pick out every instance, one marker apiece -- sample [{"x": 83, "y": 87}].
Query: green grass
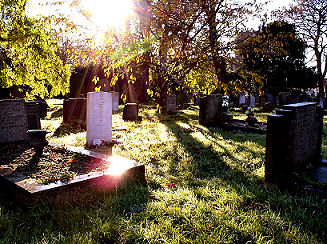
[
  {"x": 219, "y": 194},
  {"x": 262, "y": 117}
]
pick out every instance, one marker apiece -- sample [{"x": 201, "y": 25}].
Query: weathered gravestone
[
  {"x": 43, "y": 106},
  {"x": 130, "y": 112},
  {"x": 115, "y": 100},
  {"x": 99, "y": 117},
  {"x": 13, "y": 120},
  {"x": 293, "y": 140},
  {"x": 262, "y": 100},
  {"x": 33, "y": 115},
  {"x": 74, "y": 110},
  {"x": 171, "y": 104},
  {"x": 285, "y": 98},
  {"x": 211, "y": 109},
  {"x": 267, "y": 107},
  {"x": 241, "y": 99},
  {"x": 270, "y": 98},
  {"x": 256, "y": 96},
  {"x": 252, "y": 101}
]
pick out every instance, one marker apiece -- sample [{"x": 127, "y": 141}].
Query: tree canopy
[
  {"x": 28, "y": 53},
  {"x": 273, "y": 59},
  {"x": 310, "y": 19}
]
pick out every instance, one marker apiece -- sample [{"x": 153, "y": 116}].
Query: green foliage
[
  {"x": 309, "y": 17},
  {"x": 28, "y": 53},
  {"x": 202, "y": 79},
  {"x": 273, "y": 58},
  {"x": 205, "y": 185}
]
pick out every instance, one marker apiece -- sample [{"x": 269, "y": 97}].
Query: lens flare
[
  {"x": 109, "y": 13},
  {"x": 118, "y": 165}
]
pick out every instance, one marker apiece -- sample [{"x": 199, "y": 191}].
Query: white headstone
[
  {"x": 252, "y": 101},
  {"x": 98, "y": 117},
  {"x": 115, "y": 100}
]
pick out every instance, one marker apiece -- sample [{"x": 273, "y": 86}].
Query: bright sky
[
  {"x": 97, "y": 17},
  {"x": 109, "y": 13}
]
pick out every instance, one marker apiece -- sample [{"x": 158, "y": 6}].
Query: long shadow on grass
[
  {"x": 101, "y": 215},
  {"x": 208, "y": 163}
]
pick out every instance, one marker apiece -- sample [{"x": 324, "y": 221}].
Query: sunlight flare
[
  {"x": 108, "y": 13},
  {"x": 118, "y": 165}
]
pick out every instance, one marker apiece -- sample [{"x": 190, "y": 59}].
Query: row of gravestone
[
  {"x": 74, "y": 109},
  {"x": 18, "y": 116},
  {"x": 294, "y": 133},
  {"x": 283, "y": 98}
]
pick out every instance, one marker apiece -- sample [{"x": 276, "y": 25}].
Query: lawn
[{"x": 205, "y": 185}]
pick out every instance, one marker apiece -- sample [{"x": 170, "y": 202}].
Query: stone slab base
[{"x": 80, "y": 189}]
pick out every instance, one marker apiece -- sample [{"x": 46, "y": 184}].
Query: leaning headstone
[
  {"x": 74, "y": 110},
  {"x": 33, "y": 115},
  {"x": 171, "y": 104},
  {"x": 285, "y": 98},
  {"x": 130, "y": 112},
  {"x": 211, "y": 109},
  {"x": 252, "y": 101},
  {"x": 293, "y": 140},
  {"x": 99, "y": 118},
  {"x": 241, "y": 99},
  {"x": 13, "y": 120},
  {"x": 115, "y": 100}
]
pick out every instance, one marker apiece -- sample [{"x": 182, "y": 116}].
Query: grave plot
[
  {"x": 62, "y": 174},
  {"x": 212, "y": 114}
]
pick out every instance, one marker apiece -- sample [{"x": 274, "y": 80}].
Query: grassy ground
[{"x": 205, "y": 185}]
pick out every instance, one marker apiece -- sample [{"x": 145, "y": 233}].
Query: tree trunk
[{"x": 218, "y": 61}]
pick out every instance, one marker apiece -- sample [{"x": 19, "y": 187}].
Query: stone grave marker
[
  {"x": 241, "y": 99},
  {"x": 270, "y": 98},
  {"x": 256, "y": 98},
  {"x": 171, "y": 104},
  {"x": 252, "y": 101},
  {"x": 43, "y": 106},
  {"x": 74, "y": 110},
  {"x": 267, "y": 107},
  {"x": 130, "y": 112},
  {"x": 99, "y": 118},
  {"x": 262, "y": 100},
  {"x": 210, "y": 109},
  {"x": 293, "y": 140},
  {"x": 33, "y": 115},
  {"x": 13, "y": 120},
  {"x": 115, "y": 100},
  {"x": 285, "y": 98}
]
